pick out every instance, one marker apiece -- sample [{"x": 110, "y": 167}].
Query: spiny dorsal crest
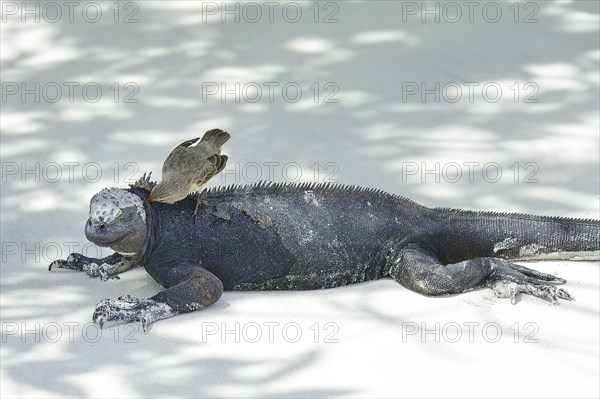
[{"x": 144, "y": 182}]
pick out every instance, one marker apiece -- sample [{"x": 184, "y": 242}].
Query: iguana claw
[
  {"x": 509, "y": 279},
  {"x": 510, "y": 289},
  {"x": 128, "y": 308},
  {"x": 106, "y": 268},
  {"x": 73, "y": 262}
]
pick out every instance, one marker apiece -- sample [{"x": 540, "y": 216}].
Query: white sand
[{"x": 372, "y": 137}]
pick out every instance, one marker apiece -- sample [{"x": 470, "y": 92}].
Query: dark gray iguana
[{"x": 310, "y": 236}]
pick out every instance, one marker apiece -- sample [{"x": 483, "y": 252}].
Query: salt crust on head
[{"x": 107, "y": 204}]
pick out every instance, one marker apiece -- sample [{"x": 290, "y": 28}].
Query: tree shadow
[{"x": 172, "y": 56}]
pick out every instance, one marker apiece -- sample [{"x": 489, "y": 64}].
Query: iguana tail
[{"x": 519, "y": 236}]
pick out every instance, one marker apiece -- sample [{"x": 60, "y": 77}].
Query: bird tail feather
[{"x": 216, "y": 136}]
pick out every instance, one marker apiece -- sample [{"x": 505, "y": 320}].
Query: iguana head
[{"x": 117, "y": 220}]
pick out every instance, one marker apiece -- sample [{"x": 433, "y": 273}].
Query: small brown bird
[{"x": 188, "y": 169}]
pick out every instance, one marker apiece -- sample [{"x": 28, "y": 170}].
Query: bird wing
[
  {"x": 219, "y": 162},
  {"x": 177, "y": 162},
  {"x": 209, "y": 168},
  {"x": 188, "y": 143},
  {"x": 178, "y": 153}
]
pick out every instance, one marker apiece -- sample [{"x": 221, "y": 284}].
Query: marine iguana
[{"x": 309, "y": 236}]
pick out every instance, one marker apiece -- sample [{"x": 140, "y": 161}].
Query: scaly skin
[{"x": 300, "y": 237}]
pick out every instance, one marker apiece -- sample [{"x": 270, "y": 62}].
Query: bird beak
[{"x": 149, "y": 199}]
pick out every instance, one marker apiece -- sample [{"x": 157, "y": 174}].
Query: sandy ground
[{"x": 379, "y": 107}]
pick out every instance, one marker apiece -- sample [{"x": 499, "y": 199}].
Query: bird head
[{"x": 166, "y": 193}]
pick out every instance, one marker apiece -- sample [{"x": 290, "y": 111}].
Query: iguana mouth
[
  {"x": 107, "y": 243},
  {"x": 98, "y": 236}
]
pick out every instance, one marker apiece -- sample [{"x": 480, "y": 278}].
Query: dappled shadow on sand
[{"x": 370, "y": 134}]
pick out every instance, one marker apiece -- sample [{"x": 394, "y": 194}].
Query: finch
[{"x": 188, "y": 169}]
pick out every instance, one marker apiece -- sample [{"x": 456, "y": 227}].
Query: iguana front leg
[
  {"x": 415, "y": 263},
  {"x": 107, "y": 268},
  {"x": 189, "y": 288}
]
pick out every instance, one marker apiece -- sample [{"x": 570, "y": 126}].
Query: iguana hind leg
[{"x": 416, "y": 264}]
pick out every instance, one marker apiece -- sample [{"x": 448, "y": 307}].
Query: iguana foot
[
  {"x": 73, "y": 262},
  {"x": 107, "y": 268},
  {"x": 508, "y": 279},
  {"x": 128, "y": 308},
  {"x": 201, "y": 200},
  {"x": 106, "y": 271}
]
